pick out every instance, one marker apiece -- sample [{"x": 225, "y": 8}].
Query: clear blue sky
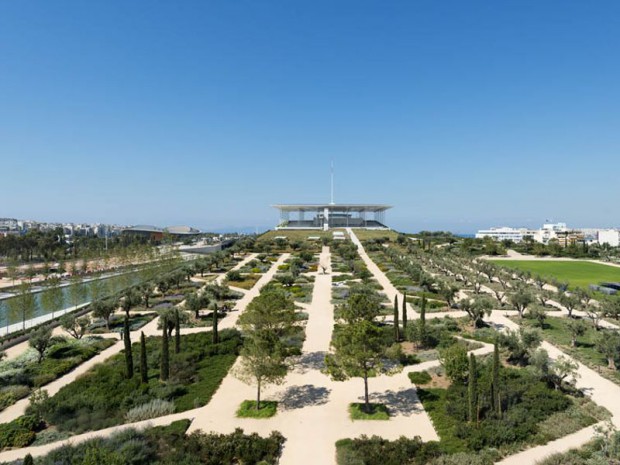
[{"x": 460, "y": 114}]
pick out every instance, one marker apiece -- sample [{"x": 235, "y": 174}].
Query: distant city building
[
  {"x": 504, "y": 234},
  {"x": 70, "y": 230},
  {"x": 181, "y": 231},
  {"x": 157, "y": 234},
  {"x": 609, "y": 236},
  {"x": 8, "y": 226},
  {"x": 549, "y": 231}
]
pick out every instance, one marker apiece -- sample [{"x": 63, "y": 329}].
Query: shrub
[
  {"x": 378, "y": 451},
  {"x": 153, "y": 409},
  {"x": 466, "y": 458},
  {"x": 49, "y": 436},
  {"x": 11, "y": 394},
  {"x": 526, "y": 402},
  {"x": 234, "y": 275},
  {"x": 419, "y": 377},
  {"x": 102, "y": 396},
  {"x": 22, "y": 373},
  {"x": 18, "y": 433}
]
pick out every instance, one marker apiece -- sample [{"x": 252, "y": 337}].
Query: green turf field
[
  {"x": 366, "y": 234},
  {"x": 575, "y": 272},
  {"x": 294, "y": 234},
  {"x": 303, "y": 234}
]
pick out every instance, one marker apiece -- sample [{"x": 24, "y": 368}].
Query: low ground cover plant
[
  {"x": 136, "y": 321},
  {"x": 419, "y": 377},
  {"x": 19, "y": 376},
  {"x": 374, "y": 412},
  {"x": 104, "y": 396},
  {"x": 170, "y": 445},
  {"x": 378, "y": 451},
  {"x": 502, "y": 408},
  {"x": 268, "y": 408}
]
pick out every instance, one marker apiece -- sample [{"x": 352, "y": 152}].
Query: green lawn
[
  {"x": 377, "y": 412},
  {"x": 295, "y": 234},
  {"x": 575, "y": 272},
  {"x": 367, "y": 234},
  {"x": 268, "y": 408}
]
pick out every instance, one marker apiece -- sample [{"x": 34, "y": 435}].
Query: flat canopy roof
[{"x": 339, "y": 206}]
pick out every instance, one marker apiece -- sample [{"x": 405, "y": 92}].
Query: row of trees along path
[
  {"x": 313, "y": 409},
  {"x": 602, "y": 391},
  {"x": 18, "y": 409}
]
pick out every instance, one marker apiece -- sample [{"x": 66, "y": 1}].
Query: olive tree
[
  {"x": 521, "y": 299},
  {"x": 476, "y": 308},
  {"x": 75, "y": 326},
  {"x": 608, "y": 344},
  {"x": 40, "y": 340}
]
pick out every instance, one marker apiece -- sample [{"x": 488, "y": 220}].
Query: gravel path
[{"x": 312, "y": 412}]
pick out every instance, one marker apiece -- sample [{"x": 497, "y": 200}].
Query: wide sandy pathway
[
  {"x": 380, "y": 276},
  {"x": 312, "y": 408}
]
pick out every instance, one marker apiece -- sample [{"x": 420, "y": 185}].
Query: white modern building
[
  {"x": 543, "y": 235},
  {"x": 505, "y": 234},
  {"x": 609, "y": 236},
  {"x": 549, "y": 231},
  {"x": 327, "y": 216}
]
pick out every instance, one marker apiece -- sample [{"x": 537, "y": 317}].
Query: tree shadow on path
[
  {"x": 303, "y": 396},
  {"x": 404, "y": 403},
  {"x": 310, "y": 361}
]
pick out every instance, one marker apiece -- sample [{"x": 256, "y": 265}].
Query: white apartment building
[
  {"x": 543, "y": 235},
  {"x": 609, "y": 236},
  {"x": 549, "y": 231},
  {"x": 504, "y": 234}
]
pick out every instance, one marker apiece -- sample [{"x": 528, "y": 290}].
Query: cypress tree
[
  {"x": 128, "y": 354},
  {"x": 144, "y": 369},
  {"x": 28, "y": 460},
  {"x": 165, "y": 353},
  {"x": 216, "y": 336},
  {"x": 396, "y": 326},
  {"x": 472, "y": 389},
  {"x": 497, "y": 406},
  {"x": 404, "y": 317},
  {"x": 177, "y": 332},
  {"x": 423, "y": 321}
]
